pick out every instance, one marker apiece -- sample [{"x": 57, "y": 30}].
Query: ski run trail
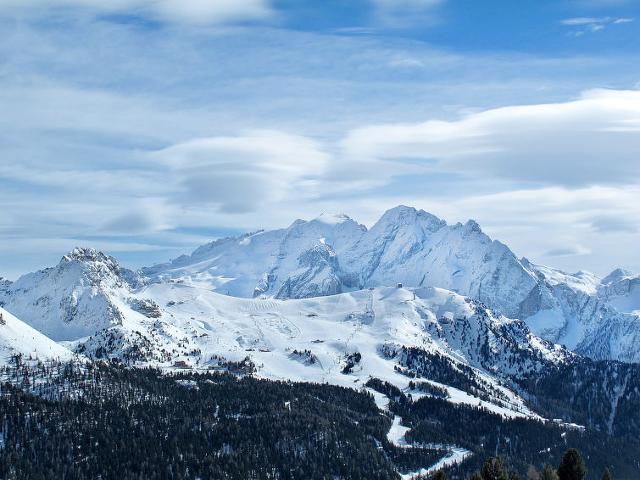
[{"x": 396, "y": 435}]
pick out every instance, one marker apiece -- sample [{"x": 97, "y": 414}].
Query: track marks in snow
[{"x": 455, "y": 454}]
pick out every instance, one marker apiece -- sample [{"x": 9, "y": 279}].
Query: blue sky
[{"x": 146, "y": 128}]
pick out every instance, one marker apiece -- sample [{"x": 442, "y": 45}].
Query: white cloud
[
  {"x": 569, "y": 251},
  {"x": 592, "y": 140},
  {"x": 241, "y": 173},
  {"x": 404, "y": 13},
  {"x": 213, "y": 11},
  {"x": 181, "y": 11},
  {"x": 593, "y": 24},
  {"x": 265, "y": 178},
  {"x": 411, "y": 5}
]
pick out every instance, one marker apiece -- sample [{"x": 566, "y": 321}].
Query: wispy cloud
[
  {"x": 611, "y": 223},
  {"x": 592, "y": 140},
  {"x": 582, "y": 25},
  {"x": 241, "y": 173},
  {"x": 568, "y": 251},
  {"x": 174, "y": 11},
  {"x": 406, "y": 13}
]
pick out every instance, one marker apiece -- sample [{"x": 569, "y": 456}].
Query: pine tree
[
  {"x": 606, "y": 475},
  {"x": 440, "y": 475},
  {"x": 572, "y": 466},
  {"x": 549, "y": 473},
  {"x": 532, "y": 473},
  {"x": 493, "y": 469}
]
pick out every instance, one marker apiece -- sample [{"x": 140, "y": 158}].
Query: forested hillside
[{"x": 90, "y": 421}]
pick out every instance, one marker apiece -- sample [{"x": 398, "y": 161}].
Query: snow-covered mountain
[
  {"x": 621, "y": 290},
  {"x": 88, "y": 292},
  {"x": 88, "y": 304},
  {"x": 334, "y": 254},
  {"x": 296, "y": 262},
  {"x": 73, "y": 299}
]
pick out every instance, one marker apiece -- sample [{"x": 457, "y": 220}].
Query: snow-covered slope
[
  {"x": 332, "y": 327},
  {"x": 343, "y": 338},
  {"x": 334, "y": 254},
  {"x": 18, "y": 338}
]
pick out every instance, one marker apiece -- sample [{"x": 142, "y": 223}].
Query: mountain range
[
  {"x": 333, "y": 254},
  {"x": 328, "y": 300}
]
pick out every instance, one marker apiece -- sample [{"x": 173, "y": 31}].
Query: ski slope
[{"x": 18, "y": 338}]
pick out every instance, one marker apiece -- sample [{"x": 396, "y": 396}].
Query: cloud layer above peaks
[{"x": 591, "y": 140}]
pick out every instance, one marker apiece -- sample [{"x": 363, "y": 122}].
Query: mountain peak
[
  {"x": 86, "y": 254},
  {"x": 401, "y": 211},
  {"x": 333, "y": 218},
  {"x": 473, "y": 226},
  {"x": 404, "y": 215},
  {"x": 98, "y": 267},
  {"x": 617, "y": 275}
]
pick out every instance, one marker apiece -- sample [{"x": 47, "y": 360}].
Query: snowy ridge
[
  {"x": 621, "y": 290},
  {"x": 596, "y": 318}
]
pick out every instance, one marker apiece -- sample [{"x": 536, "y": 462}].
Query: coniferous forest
[{"x": 88, "y": 421}]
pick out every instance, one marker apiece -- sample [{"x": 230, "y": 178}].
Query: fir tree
[
  {"x": 549, "y": 473},
  {"x": 532, "y": 473},
  {"x": 440, "y": 475},
  {"x": 493, "y": 469},
  {"x": 572, "y": 466}
]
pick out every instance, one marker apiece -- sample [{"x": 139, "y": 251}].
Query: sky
[{"x": 146, "y": 128}]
